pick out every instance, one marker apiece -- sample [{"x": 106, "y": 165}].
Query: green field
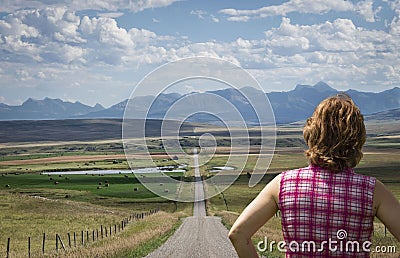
[
  {"x": 33, "y": 204},
  {"x": 121, "y": 186}
]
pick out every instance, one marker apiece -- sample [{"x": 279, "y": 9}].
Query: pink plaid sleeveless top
[{"x": 318, "y": 205}]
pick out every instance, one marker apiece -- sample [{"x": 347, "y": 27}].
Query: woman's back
[
  {"x": 325, "y": 207},
  {"x": 319, "y": 207}
]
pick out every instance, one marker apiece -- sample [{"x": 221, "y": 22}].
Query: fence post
[
  {"x": 58, "y": 238},
  {"x": 74, "y": 239},
  {"x": 57, "y": 243},
  {"x": 385, "y": 231},
  {"x": 29, "y": 247},
  {"x": 8, "y": 247},
  {"x": 93, "y": 235},
  {"x": 101, "y": 231},
  {"x": 69, "y": 240},
  {"x": 62, "y": 244},
  {"x": 87, "y": 236},
  {"x": 82, "y": 238},
  {"x": 43, "y": 242}
]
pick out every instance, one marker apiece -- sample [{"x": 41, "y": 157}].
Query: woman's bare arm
[
  {"x": 387, "y": 208},
  {"x": 254, "y": 216}
]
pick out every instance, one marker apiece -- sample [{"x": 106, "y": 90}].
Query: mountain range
[
  {"x": 46, "y": 109},
  {"x": 288, "y": 106}
]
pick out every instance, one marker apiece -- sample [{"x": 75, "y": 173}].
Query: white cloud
[
  {"x": 324, "y": 50},
  {"x": 57, "y": 35},
  {"x": 241, "y": 18},
  {"x": 394, "y": 5},
  {"x": 335, "y": 51},
  {"x": 203, "y": 15},
  {"x": 106, "y": 32},
  {"x": 363, "y": 8},
  {"x": 214, "y": 19},
  {"x": 41, "y": 75},
  {"x": 339, "y": 36},
  {"x": 394, "y": 25},
  {"x": 80, "y": 5},
  {"x": 22, "y": 74},
  {"x": 64, "y": 54},
  {"x": 49, "y": 35},
  {"x": 111, "y": 15},
  {"x": 55, "y": 45},
  {"x": 199, "y": 13}
]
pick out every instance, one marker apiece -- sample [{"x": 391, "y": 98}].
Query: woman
[{"x": 326, "y": 201}]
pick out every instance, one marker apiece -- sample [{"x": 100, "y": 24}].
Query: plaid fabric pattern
[{"x": 317, "y": 204}]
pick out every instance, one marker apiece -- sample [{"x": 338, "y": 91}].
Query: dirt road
[{"x": 200, "y": 235}]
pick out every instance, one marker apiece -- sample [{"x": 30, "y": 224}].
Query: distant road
[
  {"x": 199, "y": 209},
  {"x": 199, "y": 235}
]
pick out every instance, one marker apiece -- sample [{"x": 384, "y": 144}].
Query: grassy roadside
[
  {"x": 237, "y": 197},
  {"x": 23, "y": 216},
  {"x": 144, "y": 248},
  {"x": 139, "y": 239}
]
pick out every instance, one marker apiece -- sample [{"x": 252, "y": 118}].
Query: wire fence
[{"x": 79, "y": 238}]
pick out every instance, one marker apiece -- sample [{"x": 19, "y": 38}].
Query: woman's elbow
[
  {"x": 232, "y": 235},
  {"x": 235, "y": 235}
]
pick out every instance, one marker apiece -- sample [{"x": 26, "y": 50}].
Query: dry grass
[
  {"x": 132, "y": 241},
  {"x": 23, "y": 216},
  {"x": 272, "y": 230}
]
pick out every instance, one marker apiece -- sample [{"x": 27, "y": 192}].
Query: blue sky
[{"x": 97, "y": 51}]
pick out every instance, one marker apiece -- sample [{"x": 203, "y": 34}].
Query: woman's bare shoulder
[
  {"x": 275, "y": 186},
  {"x": 380, "y": 192},
  {"x": 387, "y": 208}
]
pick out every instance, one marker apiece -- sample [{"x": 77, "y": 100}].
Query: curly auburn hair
[{"x": 335, "y": 134}]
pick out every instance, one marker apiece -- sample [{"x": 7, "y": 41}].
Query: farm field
[
  {"x": 32, "y": 203},
  {"x": 33, "y": 216}
]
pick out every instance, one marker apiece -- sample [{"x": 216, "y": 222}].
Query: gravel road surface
[{"x": 200, "y": 235}]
